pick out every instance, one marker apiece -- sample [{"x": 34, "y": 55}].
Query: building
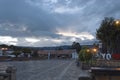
[
  {"x": 6, "y": 52},
  {"x": 58, "y": 54},
  {"x": 0, "y": 52}
]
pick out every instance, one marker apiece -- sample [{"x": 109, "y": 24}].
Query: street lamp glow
[
  {"x": 94, "y": 50},
  {"x": 88, "y": 50},
  {"x": 117, "y": 22}
]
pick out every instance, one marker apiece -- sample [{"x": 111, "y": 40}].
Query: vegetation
[
  {"x": 4, "y": 46},
  {"x": 85, "y": 54},
  {"x": 16, "y": 53},
  {"x": 76, "y": 46},
  {"x": 26, "y": 51},
  {"x": 109, "y": 34},
  {"x": 60, "y": 48}
]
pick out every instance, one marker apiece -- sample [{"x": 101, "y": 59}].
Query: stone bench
[
  {"x": 7, "y": 72},
  {"x": 106, "y": 73},
  {"x": 4, "y": 76},
  {"x": 85, "y": 75}
]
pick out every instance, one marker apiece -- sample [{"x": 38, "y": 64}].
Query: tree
[
  {"x": 15, "y": 48},
  {"x": 12, "y": 47},
  {"x": 60, "y": 48},
  {"x": 76, "y": 46},
  {"x": 85, "y": 54},
  {"x": 4, "y": 46},
  {"x": 95, "y": 45},
  {"x": 109, "y": 33},
  {"x": 16, "y": 53},
  {"x": 26, "y": 51}
]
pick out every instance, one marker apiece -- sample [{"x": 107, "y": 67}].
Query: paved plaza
[{"x": 46, "y": 70}]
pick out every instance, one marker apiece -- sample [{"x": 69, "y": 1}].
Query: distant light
[
  {"x": 88, "y": 50},
  {"x": 4, "y": 48}
]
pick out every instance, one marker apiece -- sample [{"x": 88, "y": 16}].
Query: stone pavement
[{"x": 47, "y": 70}]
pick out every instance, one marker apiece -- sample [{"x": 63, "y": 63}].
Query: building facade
[{"x": 58, "y": 54}]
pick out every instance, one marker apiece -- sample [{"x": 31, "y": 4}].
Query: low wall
[{"x": 105, "y": 73}]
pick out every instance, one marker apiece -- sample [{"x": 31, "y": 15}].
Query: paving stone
[{"x": 46, "y": 70}]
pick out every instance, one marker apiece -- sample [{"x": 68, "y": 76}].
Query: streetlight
[
  {"x": 94, "y": 51},
  {"x": 88, "y": 50},
  {"x": 117, "y": 23}
]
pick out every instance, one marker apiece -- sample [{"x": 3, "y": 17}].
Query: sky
[{"x": 41, "y": 23}]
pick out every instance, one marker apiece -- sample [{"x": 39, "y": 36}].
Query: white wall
[
  {"x": 0, "y": 52},
  {"x": 74, "y": 55}
]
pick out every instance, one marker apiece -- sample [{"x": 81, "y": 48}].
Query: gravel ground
[{"x": 46, "y": 70}]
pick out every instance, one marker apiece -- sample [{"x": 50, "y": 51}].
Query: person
[{"x": 77, "y": 63}]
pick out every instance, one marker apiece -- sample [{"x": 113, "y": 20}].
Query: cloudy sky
[{"x": 53, "y": 22}]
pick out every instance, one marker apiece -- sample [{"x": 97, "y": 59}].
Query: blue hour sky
[{"x": 53, "y": 22}]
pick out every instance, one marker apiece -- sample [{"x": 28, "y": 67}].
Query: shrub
[
  {"x": 16, "y": 53},
  {"x": 84, "y": 55}
]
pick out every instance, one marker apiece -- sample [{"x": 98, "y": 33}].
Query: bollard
[{"x": 12, "y": 71}]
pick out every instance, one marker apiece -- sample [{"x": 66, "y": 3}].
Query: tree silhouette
[
  {"x": 76, "y": 46},
  {"x": 109, "y": 33},
  {"x": 16, "y": 53},
  {"x": 26, "y": 51}
]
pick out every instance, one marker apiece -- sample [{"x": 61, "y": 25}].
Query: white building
[{"x": 0, "y": 52}]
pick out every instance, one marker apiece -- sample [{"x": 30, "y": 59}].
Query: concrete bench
[
  {"x": 4, "y": 76},
  {"x": 7, "y": 72},
  {"x": 85, "y": 75},
  {"x": 106, "y": 73}
]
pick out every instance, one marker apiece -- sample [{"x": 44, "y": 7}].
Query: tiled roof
[{"x": 56, "y": 51}]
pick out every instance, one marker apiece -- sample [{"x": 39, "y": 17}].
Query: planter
[{"x": 85, "y": 66}]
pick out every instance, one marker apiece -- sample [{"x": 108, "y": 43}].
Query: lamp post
[{"x": 94, "y": 50}]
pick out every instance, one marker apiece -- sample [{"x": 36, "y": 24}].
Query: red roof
[{"x": 56, "y": 51}]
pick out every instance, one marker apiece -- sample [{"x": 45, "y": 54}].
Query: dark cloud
[
  {"x": 18, "y": 11},
  {"x": 45, "y": 18}
]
